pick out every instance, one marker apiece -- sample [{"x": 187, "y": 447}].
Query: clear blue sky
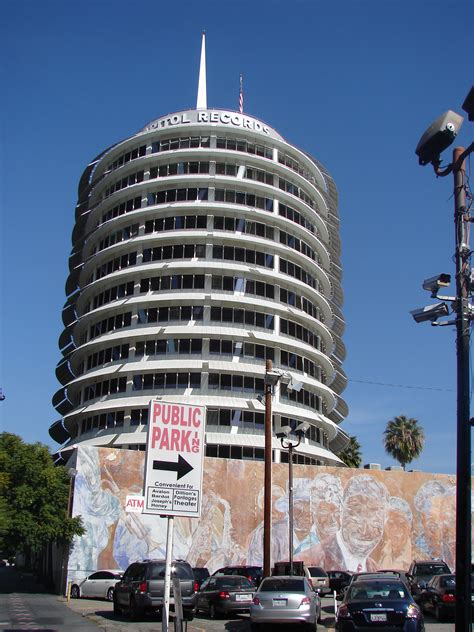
[{"x": 355, "y": 83}]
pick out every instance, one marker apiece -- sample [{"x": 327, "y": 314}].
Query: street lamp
[
  {"x": 435, "y": 140},
  {"x": 272, "y": 377},
  {"x": 284, "y": 436}
]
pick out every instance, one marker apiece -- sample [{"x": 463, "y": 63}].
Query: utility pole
[{"x": 267, "y": 503}]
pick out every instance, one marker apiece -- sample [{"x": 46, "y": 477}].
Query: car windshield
[
  {"x": 234, "y": 582},
  {"x": 316, "y": 571},
  {"x": 282, "y": 585},
  {"x": 157, "y": 571},
  {"x": 430, "y": 569},
  {"x": 378, "y": 590}
]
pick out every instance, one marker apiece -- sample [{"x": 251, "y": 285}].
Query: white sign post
[{"x": 173, "y": 471}]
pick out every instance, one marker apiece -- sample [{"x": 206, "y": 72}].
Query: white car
[{"x": 98, "y": 585}]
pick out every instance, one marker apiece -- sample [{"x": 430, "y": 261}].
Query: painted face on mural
[
  {"x": 327, "y": 518},
  {"x": 301, "y": 517},
  {"x": 363, "y": 520},
  {"x": 439, "y": 525},
  {"x": 399, "y": 529}
]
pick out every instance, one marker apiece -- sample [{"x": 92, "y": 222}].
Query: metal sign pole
[{"x": 166, "y": 599}]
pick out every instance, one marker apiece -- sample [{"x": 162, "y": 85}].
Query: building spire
[{"x": 202, "y": 88}]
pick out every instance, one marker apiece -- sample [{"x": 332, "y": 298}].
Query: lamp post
[
  {"x": 289, "y": 445},
  {"x": 437, "y": 138}
]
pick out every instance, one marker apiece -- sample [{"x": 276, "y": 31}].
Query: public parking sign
[{"x": 174, "y": 459}]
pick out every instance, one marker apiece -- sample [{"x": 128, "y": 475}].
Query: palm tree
[
  {"x": 351, "y": 453},
  {"x": 404, "y": 439}
]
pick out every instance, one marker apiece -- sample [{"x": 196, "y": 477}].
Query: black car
[
  {"x": 439, "y": 596},
  {"x": 225, "y": 594},
  {"x": 200, "y": 574},
  {"x": 421, "y": 571},
  {"x": 142, "y": 587},
  {"x": 254, "y": 573},
  {"x": 382, "y": 603},
  {"x": 338, "y": 580}
]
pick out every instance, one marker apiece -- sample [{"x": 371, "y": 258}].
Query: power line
[{"x": 419, "y": 388}]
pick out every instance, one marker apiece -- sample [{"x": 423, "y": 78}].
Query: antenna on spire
[
  {"x": 241, "y": 95},
  {"x": 201, "y": 103}
]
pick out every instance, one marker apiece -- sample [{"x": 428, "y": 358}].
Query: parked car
[
  {"x": 366, "y": 575},
  {"x": 381, "y": 603},
  {"x": 439, "y": 596},
  {"x": 319, "y": 579},
  {"x": 200, "y": 574},
  {"x": 285, "y": 600},
  {"x": 421, "y": 571},
  {"x": 225, "y": 594},
  {"x": 99, "y": 585},
  {"x": 142, "y": 587},
  {"x": 254, "y": 573},
  {"x": 338, "y": 580}
]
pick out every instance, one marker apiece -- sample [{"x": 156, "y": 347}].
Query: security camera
[
  {"x": 434, "y": 283},
  {"x": 283, "y": 432},
  {"x": 430, "y": 312},
  {"x": 438, "y": 137}
]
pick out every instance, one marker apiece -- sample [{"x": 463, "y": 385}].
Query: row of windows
[
  {"x": 295, "y": 330},
  {"x": 120, "y": 209},
  {"x": 110, "y": 354},
  {"x": 113, "y": 293},
  {"x": 242, "y": 225},
  {"x": 166, "y": 314},
  {"x": 290, "y": 162},
  {"x": 299, "y": 459},
  {"x": 171, "y": 380},
  {"x": 117, "y": 263},
  {"x": 240, "y": 316},
  {"x": 297, "y": 272},
  {"x": 106, "y": 387},
  {"x": 244, "y": 349},
  {"x": 110, "y": 324},
  {"x": 249, "y": 287},
  {"x": 174, "y": 222},
  {"x": 242, "y": 197},
  {"x": 250, "y": 173},
  {"x": 313, "y": 433},
  {"x": 177, "y": 195},
  {"x": 233, "y": 253},
  {"x": 300, "y": 302},
  {"x": 293, "y": 189},
  {"x": 179, "y": 169},
  {"x": 120, "y": 235},
  {"x": 123, "y": 183},
  {"x": 172, "y": 282},
  {"x": 177, "y": 251},
  {"x": 298, "y": 244},
  {"x": 300, "y": 363},
  {"x": 296, "y": 217},
  {"x": 236, "y": 383},
  {"x": 170, "y": 345},
  {"x": 112, "y": 419},
  {"x": 303, "y": 397},
  {"x": 133, "y": 154},
  {"x": 243, "y": 145},
  {"x": 169, "y": 144}
]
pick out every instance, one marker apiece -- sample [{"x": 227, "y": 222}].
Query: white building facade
[{"x": 204, "y": 245}]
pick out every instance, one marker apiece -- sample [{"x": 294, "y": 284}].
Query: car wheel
[
  {"x": 110, "y": 594},
  {"x": 439, "y": 614},
  {"x": 75, "y": 592},
  {"x": 134, "y": 613},
  {"x": 117, "y": 608},
  {"x": 212, "y": 611}
]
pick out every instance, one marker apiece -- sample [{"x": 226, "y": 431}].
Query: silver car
[
  {"x": 285, "y": 599},
  {"x": 98, "y": 585}
]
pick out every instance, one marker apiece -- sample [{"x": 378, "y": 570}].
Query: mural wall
[{"x": 343, "y": 518}]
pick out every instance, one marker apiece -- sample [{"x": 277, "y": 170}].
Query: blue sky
[{"x": 354, "y": 83}]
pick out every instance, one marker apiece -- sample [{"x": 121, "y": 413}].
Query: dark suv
[
  {"x": 421, "y": 571},
  {"x": 254, "y": 573},
  {"x": 142, "y": 588}
]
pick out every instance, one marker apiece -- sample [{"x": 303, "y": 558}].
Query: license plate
[
  {"x": 279, "y": 602},
  {"x": 243, "y": 598},
  {"x": 378, "y": 617}
]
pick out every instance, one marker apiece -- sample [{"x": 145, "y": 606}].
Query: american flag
[{"x": 241, "y": 96}]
